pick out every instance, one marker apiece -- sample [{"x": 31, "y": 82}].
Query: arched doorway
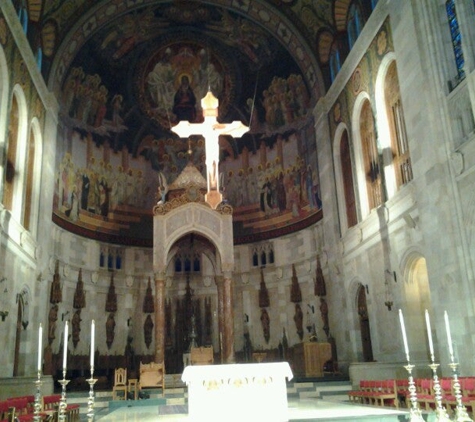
[
  {"x": 179, "y": 218},
  {"x": 364, "y": 324},
  {"x": 191, "y": 304},
  {"x": 417, "y": 300}
]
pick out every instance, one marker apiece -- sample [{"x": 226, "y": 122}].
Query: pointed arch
[
  {"x": 392, "y": 136},
  {"x": 16, "y": 151},
  {"x": 4, "y": 89},
  {"x": 32, "y": 177},
  {"x": 343, "y": 161},
  {"x": 366, "y": 155}
]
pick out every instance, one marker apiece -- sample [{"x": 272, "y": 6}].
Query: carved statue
[
  {"x": 148, "y": 305},
  {"x": 111, "y": 302},
  {"x": 110, "y": 330},
  {"x": 79, "y": 296},
  {"x": 298, "y": 318},
  {"x": 76, "y": 325},
  {"x": 263, "y": 293},
  {"x": 324, "y": 313},
  {"x": 52, "y": 318},
  {"x": 148, "y": 330},
  {"x": 320, "y": 287},
  {"x": 265, "y": 321},
  {"x": 56, "y": 294},
  {"x": 295, "y": 292}
]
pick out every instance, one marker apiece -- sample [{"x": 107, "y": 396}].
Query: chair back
[
  {"x": 201, "y": 355},
  {"x": 120, "y": 376}
]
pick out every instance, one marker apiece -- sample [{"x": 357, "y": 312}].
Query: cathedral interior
[{"x": 344, "y": 203}]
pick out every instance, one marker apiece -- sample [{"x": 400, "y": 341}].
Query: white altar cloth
[{"x": 244, "y": 392}]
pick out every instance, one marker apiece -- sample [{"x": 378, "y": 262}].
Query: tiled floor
[{"x": 299, "y": 410}]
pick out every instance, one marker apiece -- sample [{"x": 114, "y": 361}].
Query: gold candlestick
[
  {"x": 415, "y": 412},
  {"x": 38, "y": 383},
  {"x": 441, "y": 412},
  {"x": 90, "y": 400},
  {"x": 461, "y": 414},
  {"x": 63, "y": 404}
]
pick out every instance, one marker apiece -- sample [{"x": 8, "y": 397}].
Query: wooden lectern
[{"x": 309, "y": 358}]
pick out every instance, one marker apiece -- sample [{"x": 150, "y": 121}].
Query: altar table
[{"x": 238, "y": 392}]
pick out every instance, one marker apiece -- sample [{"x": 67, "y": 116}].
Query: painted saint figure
[{"x": 184, "y": 101}]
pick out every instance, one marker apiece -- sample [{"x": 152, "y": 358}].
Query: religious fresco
[{"x": 116, "y": 144}]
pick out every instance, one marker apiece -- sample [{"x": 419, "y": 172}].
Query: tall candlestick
[
  {"x": 429, "y": 334},
  {"x": 65, "y": 346},
  {"x": 93, "y": 326},
  {"x": 404, "y": 337},
  {"x": 449, "y": 336},
  {"x": 40, "y": 340}
]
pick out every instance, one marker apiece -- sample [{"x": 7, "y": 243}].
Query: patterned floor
[{"x": 307, "y": 401}]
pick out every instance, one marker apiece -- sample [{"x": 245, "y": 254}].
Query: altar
[{"x": 251, "y": 391}]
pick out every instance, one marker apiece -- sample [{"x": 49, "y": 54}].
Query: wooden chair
[
  {"x": 120, "y": 384},
  {"x": 152, "y": 375},
  {"x": 201, "y": 355}
]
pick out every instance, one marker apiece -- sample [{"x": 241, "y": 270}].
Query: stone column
[
  {"x": 228, "y": 328},
  {"x": 220, "y": 287},
  {"x": 159, "y": 318}
]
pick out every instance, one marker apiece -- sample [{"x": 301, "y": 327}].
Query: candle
[
  {"x": 65, "y": 346},
  {"x": 40, "y": 340},
  {"x": 404, "y": 337},
  {"x": 429, "y": 334},
  {"x": 449, "y": 336},
  {"x": 93, "y": 326}
]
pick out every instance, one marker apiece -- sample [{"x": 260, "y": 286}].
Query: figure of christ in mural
[{"x": 184, "y": 102}]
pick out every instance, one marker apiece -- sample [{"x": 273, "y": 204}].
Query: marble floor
[{"x": 299, "y": 410}]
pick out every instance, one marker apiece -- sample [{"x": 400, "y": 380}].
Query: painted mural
[{"x": 122, "y": 97}]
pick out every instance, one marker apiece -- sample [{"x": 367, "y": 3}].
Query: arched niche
[{"x": 193, "y": 218}]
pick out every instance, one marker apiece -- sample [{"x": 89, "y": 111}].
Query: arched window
[
  {"x": 354, "y": 24},
  {"x": 335, "y": 61},
  {"x": 347, "y": 176},
  {"x": 23, "y": 17},
  {"x": 178, "y": 264},
  {"x": 370, "y": 157},
  {"x": 11, "y": 171},
  {"x": 187, "y": 264},
  {"x": 456, "y": 38},
  {"x": 30, "y": 163},
  {"x": 197, "y": 264},
  {"x": 397, "y": 127},
  {"x": 39, "y": 58}
]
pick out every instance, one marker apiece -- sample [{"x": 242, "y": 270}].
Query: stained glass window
[
  {"x": 456, "y": 37},
  {"x": 354, "y": 24}
]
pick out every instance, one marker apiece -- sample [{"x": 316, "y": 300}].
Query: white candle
[
  {"x": 449, "y": 336},
  {"x": 404, "y": 337},
  {"x": 65, "y": 345},
  {"x": 429, "y": 334},
  {"x": 40, "y": 340},
  {"x": 93, "y": 326}
]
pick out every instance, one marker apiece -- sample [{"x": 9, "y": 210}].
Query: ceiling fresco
[{"x": 126, "y": 71}]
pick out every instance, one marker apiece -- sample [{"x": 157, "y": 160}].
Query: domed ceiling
[{"x": 125, "y": 72}]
